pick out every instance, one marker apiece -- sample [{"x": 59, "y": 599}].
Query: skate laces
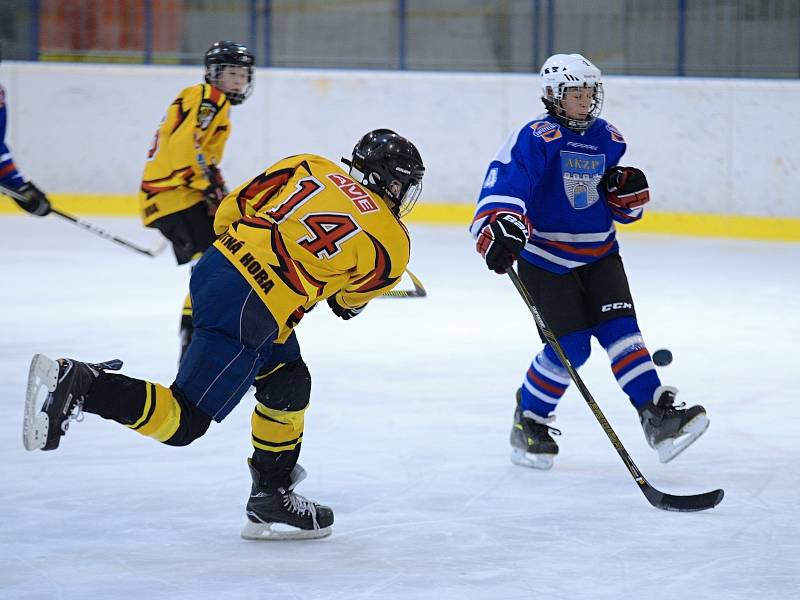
[
  {"x": 540, "y": 421},
  {"x": 668, "y": 404},
  {"x": 75, "y": 414},
  {"x": 300, "y": 505}
]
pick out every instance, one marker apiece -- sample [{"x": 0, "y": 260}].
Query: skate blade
[
  {"x": 275, "y": 532},
  {"x": 672, "y": 447},
  {"x": 532, "y": 461},
  {"x": 43, "y": 374}
]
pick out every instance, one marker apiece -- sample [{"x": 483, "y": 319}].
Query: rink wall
[{"x": 718, "y": 163}]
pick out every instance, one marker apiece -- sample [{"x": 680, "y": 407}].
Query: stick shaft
[{"x": 84, "y": 224}]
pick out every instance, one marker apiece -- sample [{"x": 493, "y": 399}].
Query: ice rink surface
[{"x": 407, "y": 438}]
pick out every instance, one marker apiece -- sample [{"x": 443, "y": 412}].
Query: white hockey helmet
[{"x": 561, "y": 72}]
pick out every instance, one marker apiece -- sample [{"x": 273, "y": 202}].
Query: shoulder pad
[
  {"x": 546, "y": 130},
  {"x": 616, "y": 136}
]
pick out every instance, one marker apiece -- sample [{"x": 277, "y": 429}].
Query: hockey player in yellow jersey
[
  {"x": 301, "y": 232},
  {"x": 182, "y": 185}
]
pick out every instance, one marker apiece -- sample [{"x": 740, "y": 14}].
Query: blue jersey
[
  {"x": 9, "y": 176},
  {"x": 551, "y": 176}
]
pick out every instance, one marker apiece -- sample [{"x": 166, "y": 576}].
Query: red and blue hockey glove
[
  {"x": 627, "y": 187},
  {"x": 343, "y": 312},
  {"x": 501, "y": 241}
]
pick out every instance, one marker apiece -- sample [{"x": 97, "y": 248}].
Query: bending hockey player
[
  {"x": 36, "y": 202},
  {"x": 550, "y": 198},
  {"x": 182, "y": 185},
  {"x": 299, "y": 233}
]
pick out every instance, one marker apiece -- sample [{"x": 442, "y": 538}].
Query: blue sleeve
[
  {"x": 510, "y": 178},
  {"x": 9, "y": 175},
  {"x": 3, "y": 119},
  {"x": 621, "y": 215}
]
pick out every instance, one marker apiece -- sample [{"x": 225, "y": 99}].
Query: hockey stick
[
  {"x": 417, "y": 292},
  {"x": 90, "y": 227},
  {"x": 655, "y": 497}
]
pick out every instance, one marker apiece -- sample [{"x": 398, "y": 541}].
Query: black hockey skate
[
  {"x": 67, "y": 382},
  {"x": 283, "y": 515},
  {"x": 671, "y": 428},
  {"x": 531, "y": 443}
]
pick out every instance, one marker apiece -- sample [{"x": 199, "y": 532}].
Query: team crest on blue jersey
[
  {"x": 615, "y": 134},
  {"x": 582, "y": 174},
  {"x": 546, "y": 130}
]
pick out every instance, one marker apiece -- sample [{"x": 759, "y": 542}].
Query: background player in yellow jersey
[
  {"x": 301, "y": 232},
  {"x": 182, "y": 185}
]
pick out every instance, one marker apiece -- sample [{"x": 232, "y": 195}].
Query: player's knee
[
  {"x": 612, "y": 331},
  {"x": 286, "y": 389},
  {"x": 577, "y": 347},
  {"x": 193, "y": 423}
]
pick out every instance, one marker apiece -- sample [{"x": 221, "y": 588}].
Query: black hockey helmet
[
  {"x": 390, "y": 165},
  {"x": 229, "y": 54}
]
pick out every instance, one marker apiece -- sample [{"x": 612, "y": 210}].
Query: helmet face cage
[
  {"x": 229, "y": 54},
  {"x": 553, "y": 99},
  {"x": 563, "y": 72},
  {"x": 389, "y": 165}
]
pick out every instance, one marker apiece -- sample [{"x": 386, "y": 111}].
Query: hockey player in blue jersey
[
  {"x": 550, "y": 198},
  {"x": 37, "y": 203}
]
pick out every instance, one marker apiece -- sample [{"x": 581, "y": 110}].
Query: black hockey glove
[
  {"x": 501, "y": 241},
  {"x": 627, "y": 187},
  {"x": 342, "y": 312},
  {"x": 216, "y": 191},
  {"x": 36, "y": 202}
]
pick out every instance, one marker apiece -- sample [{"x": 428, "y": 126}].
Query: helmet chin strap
[{"x": 553, "y": 109}]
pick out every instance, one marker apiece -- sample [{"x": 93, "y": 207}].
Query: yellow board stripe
[
  {"x": 105, "y": 205},
  {"x": 785, "y": 229}
]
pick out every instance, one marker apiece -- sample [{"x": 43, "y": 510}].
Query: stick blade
[
  {"x": 409, "y": 286},
  {"x": 694, "y": 503}
]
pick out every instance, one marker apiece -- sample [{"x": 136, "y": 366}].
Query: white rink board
[
  {"x": 406, "y": 439},
  {"x": 707, "y": 145}
]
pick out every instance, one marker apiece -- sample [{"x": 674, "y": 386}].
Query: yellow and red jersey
[
  {"x": 303, "y": 231},
  {"x": 191, "y": 138}
]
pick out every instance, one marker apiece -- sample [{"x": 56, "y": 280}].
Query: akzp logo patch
[{"x": 582, "y": 174}]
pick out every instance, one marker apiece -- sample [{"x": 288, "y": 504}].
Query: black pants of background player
[
  {"x": 191, "y": 232},
  {"x": 593, "y": 300}
]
